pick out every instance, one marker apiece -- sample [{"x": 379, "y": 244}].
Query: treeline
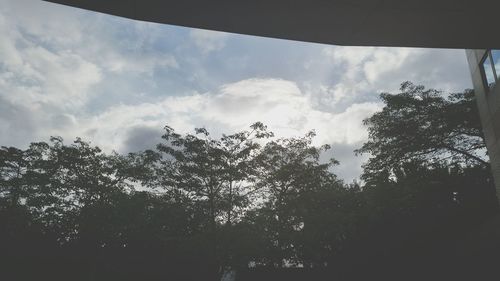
[{"x": 196, "y": 205}]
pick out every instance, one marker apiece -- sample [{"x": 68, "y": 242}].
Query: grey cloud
[
  {"x": 366, "y": 72},
  {"x": 141, "y": 138},
  {"x": 208, "y": 41},
  {"x": 142, "y": 64},
  {"x": 17, "y": 124},
  {"x": 441, "y": 69},
  {"x": 350, "y": 164},
  {"x": 62, "y": 121}
]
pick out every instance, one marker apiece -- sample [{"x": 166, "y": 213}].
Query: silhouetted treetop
[
  {"x": 198, "y": 203},
  {"x": 425, "y": 125}
]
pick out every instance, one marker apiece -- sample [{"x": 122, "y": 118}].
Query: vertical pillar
[{"x": 488, "y": 102}]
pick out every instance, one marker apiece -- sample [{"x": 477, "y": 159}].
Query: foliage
[
  {"x": 420, "y": 124},
  {"x": 197, "y": 203},
  {"x": 290, "y": 174}
]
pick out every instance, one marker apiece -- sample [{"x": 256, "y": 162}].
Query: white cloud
[
  {"x": 278, "y": 103},
  {"x": 52, "y": 58},
  {"x": 35, "y": 74},
  {"x": 61, "y": 69},
  {"x": 51, "y": 24},
  {"x": 371, "y": 70},
  {"x": 141, "y": 64},
  {"x": 386, "y": 60}
]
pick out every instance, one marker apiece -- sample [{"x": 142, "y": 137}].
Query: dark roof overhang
[{"x": 466, "y": 24}]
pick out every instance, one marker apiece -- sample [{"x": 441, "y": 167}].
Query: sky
[{"x": 117, "y": 82}]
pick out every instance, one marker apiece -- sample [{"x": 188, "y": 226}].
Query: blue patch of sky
[{"x": 242, "y": 57}]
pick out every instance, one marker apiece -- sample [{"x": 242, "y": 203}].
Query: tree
[
  {"x": 64, "y": 195},
  {"x": 427, "y": 182},
  {"x": 83, "y": 183},
  {"x": 215, "y": 174},
  {"x": 423, "y": 124},
  {"x": 291, "y": 173}
]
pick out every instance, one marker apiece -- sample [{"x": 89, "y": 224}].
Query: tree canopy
[
  {"x": 197, "y": 204},
  {"x": 419, "y": 124}
]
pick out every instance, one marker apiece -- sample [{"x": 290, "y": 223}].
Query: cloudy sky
[{"x": 116, "y": 82}]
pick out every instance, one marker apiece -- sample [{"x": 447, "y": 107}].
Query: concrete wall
[{"x": 488, "y": 101}]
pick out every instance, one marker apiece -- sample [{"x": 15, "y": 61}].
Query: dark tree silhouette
[
  {"x": 214, "y": 174},
  {"x": 424, "y": 124},
  {"x": 289, "y": 172},
  {"x": 270, "y": 208}
]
